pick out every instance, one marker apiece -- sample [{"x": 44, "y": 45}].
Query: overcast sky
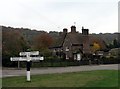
[{"x": 54, "y": 15}]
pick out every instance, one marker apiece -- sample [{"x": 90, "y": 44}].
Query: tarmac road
[{"x": 8, "y": 72}]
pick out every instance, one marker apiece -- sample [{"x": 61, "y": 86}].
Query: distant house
[{"x": 73, "y": 45}]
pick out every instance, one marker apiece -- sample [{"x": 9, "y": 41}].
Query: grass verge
[{"x": 99, "y": 78}]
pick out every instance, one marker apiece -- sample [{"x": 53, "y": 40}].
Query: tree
[
  {"x": 95, "y": 47},
  {"x": 42, "y": 41},
  {"x": 116, "y": 43},
  {"x": 12, "y": 43}
]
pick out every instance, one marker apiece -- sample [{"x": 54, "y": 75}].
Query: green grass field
[{"x": 99, "y": 78}]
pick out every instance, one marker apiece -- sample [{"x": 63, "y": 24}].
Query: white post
[
  {"x": 28, "y": 67},
  {"x": 28, "y": 76}
]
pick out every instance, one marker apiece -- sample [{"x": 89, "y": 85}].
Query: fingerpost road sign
[{"x": 27, "y": 58}]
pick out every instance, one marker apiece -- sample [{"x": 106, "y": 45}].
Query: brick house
[{"x": 73, "y": 45}]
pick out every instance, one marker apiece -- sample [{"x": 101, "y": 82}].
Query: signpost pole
[
  {"x": 28, "y": 71},
  {"x": 18, "y": 64},
  {"x": 28, "y": 68}
]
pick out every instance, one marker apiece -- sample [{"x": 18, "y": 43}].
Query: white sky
[{"x": 54, "y": 15}]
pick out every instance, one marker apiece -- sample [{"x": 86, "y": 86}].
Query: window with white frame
[{"x": 66, "y": 49}]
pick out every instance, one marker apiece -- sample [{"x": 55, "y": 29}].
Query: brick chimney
[
  {"x": 65, "y": 30},
  {"x": 73, "y": 29},
  {"x": 85, "y": 31}
]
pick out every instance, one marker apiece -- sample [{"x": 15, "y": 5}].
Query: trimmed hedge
[{"x": 59, "y": 62}]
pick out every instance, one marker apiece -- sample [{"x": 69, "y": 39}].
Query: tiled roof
[
  {"x": 75, "y": 38},
  {"x": 78, "y": 39},
  {"x": 59, "y": 41}
]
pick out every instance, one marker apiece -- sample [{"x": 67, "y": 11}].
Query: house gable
[{"x": 67, "y": 46}]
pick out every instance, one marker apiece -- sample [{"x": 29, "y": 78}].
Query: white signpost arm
[
  {"x": 29, "y": 53},
  {"x": 36, "y": 58},
  {"x": 25, "y": 58},
  {"x": 18, "y": 59}
]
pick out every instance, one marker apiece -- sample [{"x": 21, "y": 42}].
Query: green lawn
[
  {"x": 99, "y": 78},
  {"x": 0, "y": 82}
]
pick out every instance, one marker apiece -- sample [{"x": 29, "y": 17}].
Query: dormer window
[{"x": 66, "y": 49}]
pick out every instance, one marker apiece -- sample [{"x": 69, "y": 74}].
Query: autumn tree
[
  {"x": 42, "y": 43},
  {"x": 95, "y": 47},
  {"x": 12, "y": 43}
]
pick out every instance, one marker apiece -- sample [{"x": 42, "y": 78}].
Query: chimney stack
[
  {"x": 65, "y": 30},
  {"x": 73, "y": 29},
  {"x": 85, "y": 31}
]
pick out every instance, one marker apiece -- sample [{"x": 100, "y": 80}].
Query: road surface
[{"x": 8, "y": 72}]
